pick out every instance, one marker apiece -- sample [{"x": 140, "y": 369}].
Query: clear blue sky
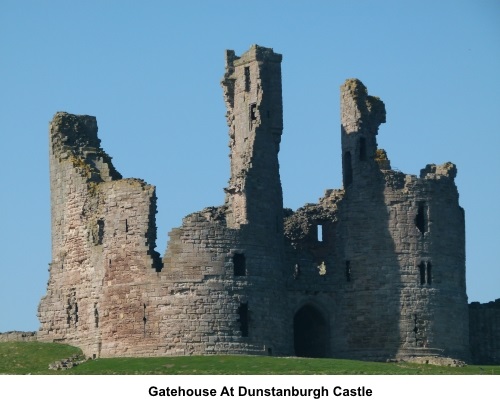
[{"x": 150, "y": 72}]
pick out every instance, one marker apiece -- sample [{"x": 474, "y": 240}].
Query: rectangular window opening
[
  {"x": 100, "y": 231},
  {"x": 243, "y": 313},
  {"x": 320, "y": 233},
  {"x": 362, "y": 149},
  {"x": 347, "y": 169},
  {"x": 76, "y": 314},
  {"x": 96, "y": 315},
  {"x": 421, "y": 218},
  {"x": 348, "y": 271},
  {"x": 239, "y": 264},
  {"x": 421, "y": 268},
  {"x": 253, "y": 112},
  {"x": 429, "y": 274},
  {"x": 247, "y": 78},
  {"x": 144, "y": 319}
]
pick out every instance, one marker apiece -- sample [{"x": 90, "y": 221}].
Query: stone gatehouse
[{"x": 373, "y": 270}]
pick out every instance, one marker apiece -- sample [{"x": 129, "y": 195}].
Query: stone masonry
[
  {"x": 485, "y": 332},
  {"x": 374, "y": 270}
]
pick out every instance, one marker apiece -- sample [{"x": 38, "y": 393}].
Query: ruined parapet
[
  {"x": 74, "y": 137},
  {"x": 361, "y": 116},
  {"x": 382, "y": 160},
  {"x": 311, "y": 236},
  {"x": 360, "y": 112},
  {"x": 436, "y": 172}
]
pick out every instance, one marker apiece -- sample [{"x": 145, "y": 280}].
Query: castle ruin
[{"x": 374, "y": 270}]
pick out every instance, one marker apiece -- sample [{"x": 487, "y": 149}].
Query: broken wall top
[{"x": 75, "y": 137}]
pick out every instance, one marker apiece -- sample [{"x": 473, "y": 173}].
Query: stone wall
[
  {"x": 485, "y": 332},
  {"x": 16, "y": 336}
]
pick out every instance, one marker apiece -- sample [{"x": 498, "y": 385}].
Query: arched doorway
[{"x": 310, "y": 333}]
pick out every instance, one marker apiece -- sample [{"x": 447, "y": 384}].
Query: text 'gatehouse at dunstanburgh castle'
[{"x": 374, "y": 270}]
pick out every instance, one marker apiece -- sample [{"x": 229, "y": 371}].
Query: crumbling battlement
[
  {"x": 373, "y": 270},
  {"x": 75, "y": 138}
]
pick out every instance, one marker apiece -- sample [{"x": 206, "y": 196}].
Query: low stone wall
[
  {"x": 16, "y": 336},
  {"x": 484, "y": 329}
]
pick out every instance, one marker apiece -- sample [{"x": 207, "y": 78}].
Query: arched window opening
[{"x": 425, "y": 270}]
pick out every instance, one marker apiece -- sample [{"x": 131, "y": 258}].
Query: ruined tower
[
  {"x": 252, "y": 93},
  {"x": 237, "y": 250},
  {"x": 404, "y": 240},
  {"x": 103, "y": 241}
]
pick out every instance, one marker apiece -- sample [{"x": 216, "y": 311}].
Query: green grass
[{"x": 34, "y": 358}]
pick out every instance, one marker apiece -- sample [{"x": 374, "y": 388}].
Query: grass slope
[{"x": 34, "y": 358}]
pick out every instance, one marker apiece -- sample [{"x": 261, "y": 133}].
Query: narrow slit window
[
  {"x": 96, "y": 315},
  {"x": 239, "y": 264},
  {"x": 247, "y": 78},
  {"x": 100, "y": 231},
  {"x": 253, "y": 112},
  {"x": 320, "y": 232},
  {"x": 421, "y": 268},
  {"x": 348, "y": 271},
  {"x": 76, "y": 314},
  {"x": 429, "y": 273},
  {"x": 347, "y": 169},
  {"x": 362, "y": 149},
  {"x": 243, "y": 313}
]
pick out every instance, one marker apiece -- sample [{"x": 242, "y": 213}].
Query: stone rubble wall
[{"x": 16, "y": 336}]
